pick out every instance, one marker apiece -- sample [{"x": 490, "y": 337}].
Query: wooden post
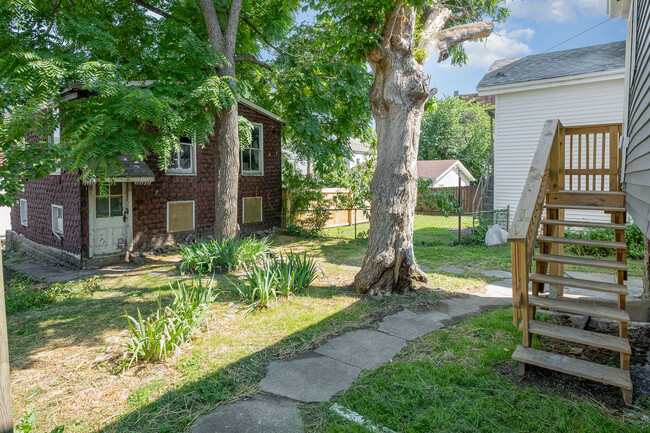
[
  {"x": 6, "y": 413},
  {"x": 460, "y": 211}
]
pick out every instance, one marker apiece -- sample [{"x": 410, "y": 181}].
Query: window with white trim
[
  {"x": 180, "y": 216},
  {"x": 252, "y": 156},
  {"x": 251, "y": 210},
  {"x": 23, "y": 212},
  {"x": 184, "y": 161},
  {"x": 57, "y": 219}
]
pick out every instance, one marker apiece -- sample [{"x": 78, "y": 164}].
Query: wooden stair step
[
  {"x": 586, "y": 198},
  {"x": 583, "y": 207},
  {"x": 579, "y": 283},
  {"x": 581, "y": 261},
  {"x": 579, "y": 307},
  {"x": 585, "y": 224},
  {"x": 582, "y": 242},
  {"x": 576, "y": 367},
  {"x": 589, "y": 338}
]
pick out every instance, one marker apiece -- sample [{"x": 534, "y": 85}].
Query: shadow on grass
[{"x": 175, "y": 410}]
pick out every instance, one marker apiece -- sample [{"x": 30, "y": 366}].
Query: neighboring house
[
  {"x": 636, "y": 124},
  {"x": 445, "y": 173},
  {"x": 581, "y": 86},
  {"x": 66, "y": 221},
  {"x": 360, "y": 152}
]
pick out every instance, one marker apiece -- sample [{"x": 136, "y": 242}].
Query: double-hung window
[
  {"x": 184, "y": 161},
  {"x": 252, "y": 156},
  {"x": 24, "y": 219},
  {"x": 57, "y": 219},
  {"x": 55, "y": 138}
]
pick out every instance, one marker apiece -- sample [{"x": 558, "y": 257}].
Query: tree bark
[
  {"x": 397, "y": 97},
  {"x": 226, "y": 150}
]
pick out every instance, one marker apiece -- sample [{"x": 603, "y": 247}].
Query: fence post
[
  {"x": 460, "y": 210},
  {"x": 355, "y": 224}
]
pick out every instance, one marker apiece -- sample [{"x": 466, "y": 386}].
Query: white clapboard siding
[
  {"x": 519, "y": 120},
  {"x": 637, "y": 168}
]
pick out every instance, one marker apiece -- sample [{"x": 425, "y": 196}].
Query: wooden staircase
[{"x": 574, "y": 169}]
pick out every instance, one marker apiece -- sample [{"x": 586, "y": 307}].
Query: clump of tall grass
[
  {"x": 265, "y": 281},
  {"x": 157, "y": 336},
  {"x": 206, "y": 256}
]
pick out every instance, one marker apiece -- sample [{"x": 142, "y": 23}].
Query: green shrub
[
  {"x": 257, "y": 287},
  {"x": 477, "y": 237},
  {"x": 157, "y": 336},
  {"x": 633, "y": 239},
  {"x": 206, "y": 256},
  {"x": 24, "y": 294},
  {"x": 27, "y": 424}
]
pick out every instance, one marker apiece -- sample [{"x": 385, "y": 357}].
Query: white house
[
  {"x": 360, "y": 152},
  {"x": 444, "y": 172},
  {"x": 581, "y": 86}
]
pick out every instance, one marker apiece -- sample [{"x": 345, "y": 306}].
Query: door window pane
[
  {"x": 101, "y": 207},
  {"x": 116, "y": 206}
]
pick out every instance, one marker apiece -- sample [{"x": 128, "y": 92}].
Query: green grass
[{"x": 460, "y": 380}]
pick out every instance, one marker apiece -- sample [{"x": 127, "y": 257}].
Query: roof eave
[
  {"x": 264, "y": 111},
  {"x": 610, "y": 74}
]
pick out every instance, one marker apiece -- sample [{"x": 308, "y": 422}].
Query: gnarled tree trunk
[{"x": 397, "y": 97}]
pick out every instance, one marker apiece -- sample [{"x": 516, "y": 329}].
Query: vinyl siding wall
[
  {"x": 519, "y": 120},
  {"x": 637, "y": 168}
]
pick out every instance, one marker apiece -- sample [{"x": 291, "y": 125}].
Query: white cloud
[
  {"x": 499, "y": 45},
  {"x": 556, "y": 10}
]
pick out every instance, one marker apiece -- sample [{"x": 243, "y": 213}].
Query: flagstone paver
[
  {"x": 363, "y": 348},
  {"x": 408, "y": 325},
  {"x": 452, "y": 270},
  {"x": 496, "y": 273},
  {"x": 261, "y": 413},
  {"x": 309, "y": 379}
]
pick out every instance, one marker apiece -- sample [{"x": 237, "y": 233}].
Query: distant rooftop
[
  {"x": 578, "y": 61},
  {"x": 358, "y": 146},
  {"x": 434, "y": 169}
]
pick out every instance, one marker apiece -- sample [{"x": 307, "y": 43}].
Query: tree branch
[
  {"x": 215, "y": 34},
  {"x": 230, "y": 34},
  {"x": 444, "y": 40},
  {"x": 152, "y": 8},
  {"x": 251, "y": 58}
]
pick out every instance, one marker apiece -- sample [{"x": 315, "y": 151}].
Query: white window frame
[
  {"x": 243, "y": 210},
  {"x": 259, "y": 172},
  {"x": 55, "y": 138},
  {"x": 54, "y": 230},
  {"x": 174, "y": 171},
  {"x": 193, "y": 214},
  {"x": 24, "y": 213}
]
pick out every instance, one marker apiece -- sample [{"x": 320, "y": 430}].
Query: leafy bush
[
  {"x": 206, "y": 256},
  {"x": 24, "y": 294},
  {"x": 27, "y": 424},
  {"x": 156, "y": 337},
  {"x": 477, "y": 237},
  {"x": 633, "y": 238},
  {"x": 290, "y": 274}
]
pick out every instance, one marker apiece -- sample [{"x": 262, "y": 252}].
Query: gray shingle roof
[{"x": 566, "y": 63}]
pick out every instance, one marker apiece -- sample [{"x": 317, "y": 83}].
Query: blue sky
[{"x": 533, "y": 27}]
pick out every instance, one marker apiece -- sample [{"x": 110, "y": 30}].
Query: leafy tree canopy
[{"x": 456, "y": 129}]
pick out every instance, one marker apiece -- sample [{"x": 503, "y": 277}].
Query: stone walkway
[{"x": 317, "y": 376}]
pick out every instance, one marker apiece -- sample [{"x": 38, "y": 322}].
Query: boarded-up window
[
  {"x": 23, "y": 212},
  {"x": 252, "y": 210},
  {"x": 57, "y": 219},
  {"x": 180, "y": 216}
]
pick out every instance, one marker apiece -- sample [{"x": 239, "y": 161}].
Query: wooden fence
[
  {"x": 466, "y": 197},
  {"x": 338, "y": 217}
]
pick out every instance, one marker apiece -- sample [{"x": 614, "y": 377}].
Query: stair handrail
[
  {"x": 482, "y": 186},
  {"x": 523, "y": 230}
]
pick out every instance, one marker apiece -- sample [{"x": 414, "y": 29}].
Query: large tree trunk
[
  {"x": 397, "y": 97},
  {"x": 226, "y": 164}
]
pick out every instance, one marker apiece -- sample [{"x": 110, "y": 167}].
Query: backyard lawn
[{"x": 67, "y": 357}]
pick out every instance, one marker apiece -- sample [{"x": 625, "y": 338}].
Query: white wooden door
[{"x": 110, "y": 220}]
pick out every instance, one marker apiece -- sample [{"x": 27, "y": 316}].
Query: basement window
[
  {"x": 251, "y": 210},
  {"x": 180, "y": 216},
  {"x": 23, "y": 212},
  {"x": 57, "y": 219}
]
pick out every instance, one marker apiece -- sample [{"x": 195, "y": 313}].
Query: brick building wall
[
  {"x": 150, "y": 201},
  {"x": 62, "y": 190}
]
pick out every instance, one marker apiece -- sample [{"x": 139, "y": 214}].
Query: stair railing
[{"x": 543, "y": 175}]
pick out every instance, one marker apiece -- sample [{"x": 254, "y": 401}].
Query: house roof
[
  {"x": 261, "y": 110},
  {"x": 435, "y": 169},
  {"x": 358, "y": 146},
  {"x": 567, "y": 63}
]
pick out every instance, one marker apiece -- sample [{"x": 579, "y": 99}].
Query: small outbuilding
[{"x": 445, "y": 172}]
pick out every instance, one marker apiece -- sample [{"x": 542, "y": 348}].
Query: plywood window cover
[
  {"x": 259, "y": 172},
  {"x": 183, "y": 228},
  {"x": 57, "y": 219},
  {"x": 245, "y": 217},
  {"x": 24, "y": 216}
]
